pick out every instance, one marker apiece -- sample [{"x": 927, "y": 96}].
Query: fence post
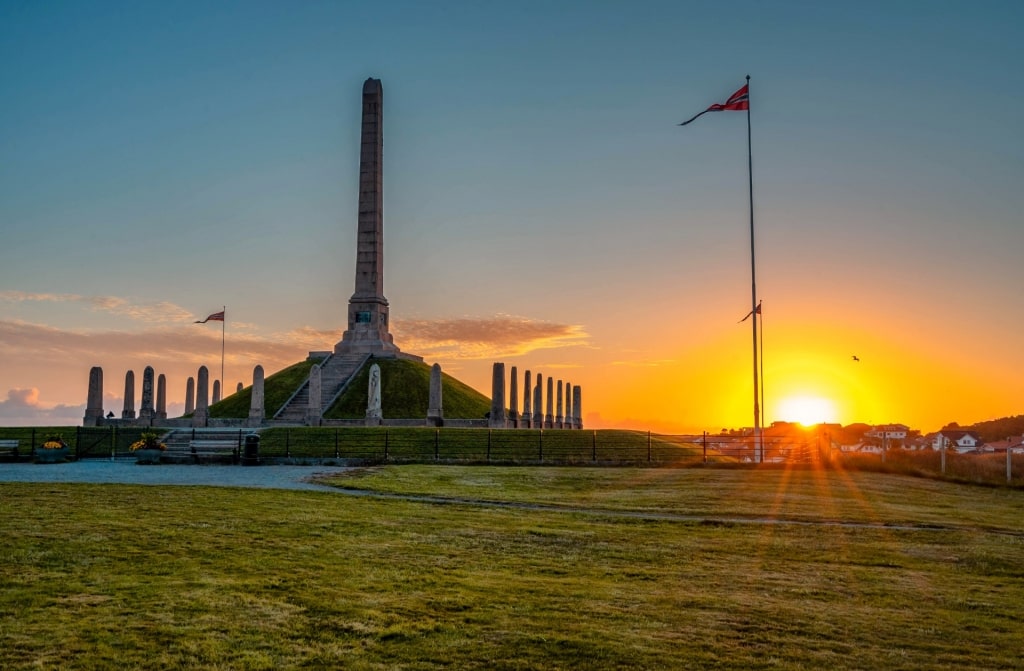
[
  {"x": 942, "y": 459},
  {"x": 593, "y": 446},
  {"x": 32, "y": 445},
  {"x": 287, "y": 443},
  {"x": 437, "y": 444},
  {"x": 704, "y": 440},
  {"x": 648, "y": 446},
  {"x": 1008, "y": 462},
  {"x": 385, "y": 444},
  {"x": 489, "y": 444},
  {"x": 540, "y": 445},
  {"x": 336, "y": 452},
  {"x": 113, "y": 440}
]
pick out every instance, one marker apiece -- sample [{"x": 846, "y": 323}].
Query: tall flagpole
[
  {"x": 758, "y": 446},
  {"x": 760, "y": 314},
  {"x": 223, "y": 384}
]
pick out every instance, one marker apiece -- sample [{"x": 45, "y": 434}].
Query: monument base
[{"x": 367, "y": 341}]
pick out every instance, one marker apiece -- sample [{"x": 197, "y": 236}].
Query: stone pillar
[
  {"x": 239, "y": 388},
  {"x": 538, "y": 408},
  {"x": 202, "y": 412},
  {"x": 549, "y": 416},
  {"x": 513, "y": 399},
  {"x": 435, "y": 407},
  {"x": 146, "y": 409},
  {"x": 577, "y": 406},
  {"x": 190, "y": 396},
  {"x": 568, "y": 406},
  {"x": 315, "y": 410},
  {"x": 161, "y": 397},
  {"x": 256, "y": 403},
  {"x": 559, "y": 417},
  {"x": 374, "y": 411},
  {"x": 94, "y": 401},
  {"x": 368, "y": 308},
  {"x": 527, "y": 420},
  {"x": 497, "y": 420},
  {"x": 129, "y": 396},
  {"x": 216, "y": 391}
]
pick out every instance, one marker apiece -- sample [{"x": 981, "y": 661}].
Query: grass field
[{"x": 880, "y": 572}]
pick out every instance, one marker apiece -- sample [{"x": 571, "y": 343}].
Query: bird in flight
[{"x": 855, "y": 357}]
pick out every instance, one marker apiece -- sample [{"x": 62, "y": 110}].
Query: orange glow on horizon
[{"x": 807, "y": 410}]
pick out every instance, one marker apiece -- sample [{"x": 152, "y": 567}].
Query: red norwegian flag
[
  {"x": 215, "y": 317},
  {"x": 737, "y": 102}
]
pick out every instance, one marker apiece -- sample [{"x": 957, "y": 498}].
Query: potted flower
[
  {"x": 53, "y": 450},
  {"x": 148, "y": 449}
]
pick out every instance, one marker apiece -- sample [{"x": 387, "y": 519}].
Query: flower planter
[
  {"x": 148, "y": 456},
  {"x": 51, "y": 456}
]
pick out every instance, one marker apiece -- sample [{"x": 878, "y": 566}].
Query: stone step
[{"x": 335, "y": 372}]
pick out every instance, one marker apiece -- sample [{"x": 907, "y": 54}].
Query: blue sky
[{"x": 159, "y": 160}]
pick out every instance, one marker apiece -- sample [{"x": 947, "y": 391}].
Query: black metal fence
[
  {"x": 526, "y": 446},
  {"x": 84, "y": 442},
  {"x": 407, "y": 444}
]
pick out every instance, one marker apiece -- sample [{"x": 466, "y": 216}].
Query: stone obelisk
[
  {"x": 129, "y": 396},
  {"x": 367, "y": 331},
  {"x": 435, "y": 405},
  {"x": 498, "y": 418},
  {"x": 94, "y": 402}
]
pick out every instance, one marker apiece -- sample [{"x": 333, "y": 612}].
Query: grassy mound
[
  {"x": 405, "y": 393},
  {"x": 277, "y": 389}
]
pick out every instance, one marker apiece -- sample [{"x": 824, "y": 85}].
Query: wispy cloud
[
  {"x": 24, "y": 407},
  {"x": 464, "y": 338},
  {"x": 645, "y": 363},
  {"x": 25, "y": 296},
  {"x": 161, "y": 344},
  {"x": 308, "y": 338},
  {"x": 558, "y": 366},
  {"x": 153, "y": 312},
  {"x": 484, "y": 338}
]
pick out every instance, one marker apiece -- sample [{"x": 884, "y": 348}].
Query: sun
[{"x": 807, "y": 410}]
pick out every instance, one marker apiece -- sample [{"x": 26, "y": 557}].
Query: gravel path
[
  {"x": 297, "y": 477},
  {"x": 128, "y": 472}
]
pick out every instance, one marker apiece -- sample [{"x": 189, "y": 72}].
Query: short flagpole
[
  {"x": 759, "y": 447},
  {"x": 223, "y": 322}
]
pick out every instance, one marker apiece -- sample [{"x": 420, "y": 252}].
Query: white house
[
  {"x": 961, "y": 441},
  {"x": 888, "y": 432}
]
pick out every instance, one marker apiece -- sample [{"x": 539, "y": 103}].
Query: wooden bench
[
  {"x": 9, "y": 448},
  {"x": 214, "y": 450}
]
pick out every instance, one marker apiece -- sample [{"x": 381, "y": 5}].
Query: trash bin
[{"x": 251, "y": 452}]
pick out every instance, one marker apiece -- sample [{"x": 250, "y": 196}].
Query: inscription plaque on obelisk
[{"x": 368, "y": 309}]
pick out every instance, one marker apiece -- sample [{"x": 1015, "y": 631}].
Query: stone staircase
[
  {"x": 335, "y": 373},
  {"x": 294, "y": 411}
]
